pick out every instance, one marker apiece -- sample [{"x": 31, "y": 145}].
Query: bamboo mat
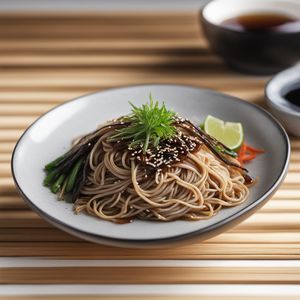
[{"x": 48, "y": 59}]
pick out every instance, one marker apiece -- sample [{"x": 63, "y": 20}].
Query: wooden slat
[
  {"x": 93, "y": 81},
  {"x": 67, "y": 73},
  {"x": 12, "y": 202},
  {"x": 102, "y": 45},
  {"x": 5, "y": 170},
  {"x": 21, "y": 219},
  {"x": 295, "y": 156},
  {"x": 282, "y": 205},
  {"x": 5, "y": 157},
  {"x": 83, "y": 250},
  {"x": 137, "y": 297},
  {"x": 7, "y": 147},
  {"x": 8, "y": 135},
  {"x": 261, "y": 221},
  {"x": 95, "y": 84},
  {"x": 106, "y": 60},
  {"x": 294, "y": 167},
  {"x": 295, "y": 143},
  {"x": 182, "y": 297},
  {"x": 23, "y": 28},
  {"x": 23, "y": 110},
  {"x": 149, "y": 275},
  {"x": 235, "y": 236},
  {"x": 287, "y": 194},
  {"x": 12, "y": 122},
  {"x": 98, "y": 30},
  {"x": 55, "y": 97},
  {"x": 100, "y": 16},
  {"x": 103, "y": 34}
]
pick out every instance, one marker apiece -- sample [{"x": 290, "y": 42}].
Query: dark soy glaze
[
  {"x": 262, "y": 22},
  {"x": 293, "y": 96}
]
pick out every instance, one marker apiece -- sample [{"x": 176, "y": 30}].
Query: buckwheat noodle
[{"x": 119, "y": 189}]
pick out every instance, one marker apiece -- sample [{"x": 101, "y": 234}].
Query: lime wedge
[{"x": 229, "y": 133}]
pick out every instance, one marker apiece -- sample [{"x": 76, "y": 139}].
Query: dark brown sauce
[
  {"x": 248, "y": 180},
  {"x": 174, "y": 150},
  {"x": 293, "y": 96},
  {"x": 263, "y": 22}
]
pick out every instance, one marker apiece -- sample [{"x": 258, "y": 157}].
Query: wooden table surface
[{"x": 46, "y": 59}]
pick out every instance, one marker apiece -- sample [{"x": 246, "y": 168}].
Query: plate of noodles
[{"x": 144, "y": 166}]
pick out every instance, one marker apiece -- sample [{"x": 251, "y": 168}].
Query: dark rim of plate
[{"x": 211, "y": 228}]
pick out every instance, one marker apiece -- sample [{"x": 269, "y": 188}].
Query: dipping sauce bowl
[
  {"x": 276, "y": 90},
  {"x": 253, "y": 51}
]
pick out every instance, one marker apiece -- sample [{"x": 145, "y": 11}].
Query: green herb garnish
[{"x": 149, "y": 124}]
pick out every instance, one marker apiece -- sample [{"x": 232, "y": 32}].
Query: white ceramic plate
[{"x": 52, "y": 133}]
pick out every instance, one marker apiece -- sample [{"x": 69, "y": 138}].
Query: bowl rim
[
  {"x": 167, "y": 240},
  {"x": 249, "y": 33}
]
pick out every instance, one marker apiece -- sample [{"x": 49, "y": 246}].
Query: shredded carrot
[
  {"x": 255, "y": 150},
  {"x": 248, "y": 153},
  {"x": 241, "y": 153},
  {"x": 249, "y": 157}
]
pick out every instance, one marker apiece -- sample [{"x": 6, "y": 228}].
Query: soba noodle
[
  {"x": 151, "y": 165},
  {"x": 119, "y": 188}
]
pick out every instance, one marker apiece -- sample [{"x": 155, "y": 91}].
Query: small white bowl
[{"x": 287, "y": 113}]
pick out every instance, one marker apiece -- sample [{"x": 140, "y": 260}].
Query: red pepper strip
[
  {"x": 241, "y": 153},
  {"x": 249, "y": 157},
  {"x": 256, "y": 150},
  {"x": 247, "y": 153}
]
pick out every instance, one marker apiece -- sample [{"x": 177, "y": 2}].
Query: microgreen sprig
[{"x": 149, "y": 124}]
